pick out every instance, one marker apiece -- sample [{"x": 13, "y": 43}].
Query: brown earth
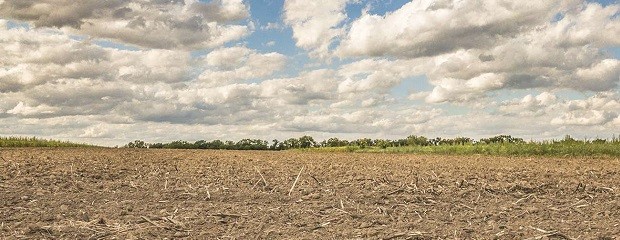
[{"x": 183, "y": 194}]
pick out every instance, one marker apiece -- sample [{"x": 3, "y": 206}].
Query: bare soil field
[{"x": 195, "y": 194}]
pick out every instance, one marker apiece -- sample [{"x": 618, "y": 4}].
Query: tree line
[{"x": 309, "y": 142}]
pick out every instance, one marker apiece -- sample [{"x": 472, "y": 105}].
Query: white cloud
[
  {"x": 315, "y": 23},
  {"x": 428, "y": 27},
  {"x": 539, "y": 56},
  {"x": 598, "y": 110},
  {"x": 220, "y": 10},
  {"x": 451, "y": 89},
  {"x": 514, "y": 45},
  {"x": 34, "y": 57},
  {"x": 601, "y": 76},
  {"x": 593, "y": 24},
  {"x": 28, "y": 111},
  {"x": 153, "y": 24},
  {"x": 98, "y": 131},
  {"x": 530, "y": 105},
  {"x": 80, "y": 97},
  {"x": 604, "y": 101},
  {"x": 378, "y": 75},
  {"x": 586, "y": 118},
  {"x": 228, "y": 57},
  {"x": 418, "y": 95},
  {"x": 273, "y": 26},
  {"x": 229, "y": 65},
  {"x": 311, "y": 86},
  {"x": 151, "y": 66}
]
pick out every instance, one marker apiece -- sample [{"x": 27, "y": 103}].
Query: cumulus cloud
[
  {"x": 48, "y": 72},
  {"x": 315, "y": 23},
  {"x": 100, "y": 130},
  {"x": 587, "y": 118},
  {"x": 80, "y": 97},
  {"x": 323, "y": 123},
  {"x": 54, "y": 13},
  {"x": 174, "y": 24},
  {"x": 599, "y": 109},
  {"x": 529, "y": 105},
  {"x": 28, "y": 111},
  {"x": 429, "y": 27},
  {"x": 602, "y": 76},
  {"x": 154, "y": 65},
  {"x": 592, "y": 24},
  {"x": 498, "y": 45},
  {"x": 34, "y": 57},
  {"x": 230, "y": 65},
  {"x": 29, "y": 58},
  {"x": 302, "y": 90},
  {"x": 220, "y": 10},
  {"x": 378, "y": 75},
  {"x": 542, "y": 57},
  {"x": 376, "y": 121},
  {"x": 451, "y": 89}
]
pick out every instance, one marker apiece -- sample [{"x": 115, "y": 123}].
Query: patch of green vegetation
[
  {"x": 501, "y": 145},
  {"x": 37, "y": 142},
  {"x": 577, "y": 149}
]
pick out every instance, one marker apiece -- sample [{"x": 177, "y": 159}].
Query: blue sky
[{"x": 232, "y": 69}]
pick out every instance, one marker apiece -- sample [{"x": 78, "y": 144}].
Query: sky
[{"x": 110, "y": 72}]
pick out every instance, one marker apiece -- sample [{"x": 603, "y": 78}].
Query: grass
[
  {"x": 548, "y": 148},
  {"x": 37, "y": 142},
  {"x": 577, "y": 149}
]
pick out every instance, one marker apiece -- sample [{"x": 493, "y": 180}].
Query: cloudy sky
[{"x": 108, "y": 72}]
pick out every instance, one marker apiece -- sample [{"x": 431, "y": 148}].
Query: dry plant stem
[
  {"x": 261, "y": 176},
  {"x": 548, "y": 235},
  {"x": 317, "y": 181},
  {"x": 226, "y": 215},
  {"x": 296, "y": 179},
  {"x": 395, "y": 236},
  {"x": 151, "y": 222}
]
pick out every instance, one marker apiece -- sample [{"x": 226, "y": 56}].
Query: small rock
[
  {"x": 85, "y": 217},
  {"x": 64, "y": 208}
]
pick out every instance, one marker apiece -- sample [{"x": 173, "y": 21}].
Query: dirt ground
[{"x": 194, "y": 194}]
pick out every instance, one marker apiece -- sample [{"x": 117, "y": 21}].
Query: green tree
[
  {"x": 306, "y": 142},
  {"x": 414, "y": 140},
  {"x": 136, "y": 144},
  {"x": 275, "y": 145}
]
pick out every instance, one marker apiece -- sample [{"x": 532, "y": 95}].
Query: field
[{"x": 98, "y": 193}]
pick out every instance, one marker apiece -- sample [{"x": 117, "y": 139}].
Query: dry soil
[{"x": 195, "y": 194}]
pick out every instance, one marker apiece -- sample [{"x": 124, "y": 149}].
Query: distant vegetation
[
  {"x": 37, "y": 142},
  {"x": 502, "y": 145},
  {"x": 498, "y": 145}
]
